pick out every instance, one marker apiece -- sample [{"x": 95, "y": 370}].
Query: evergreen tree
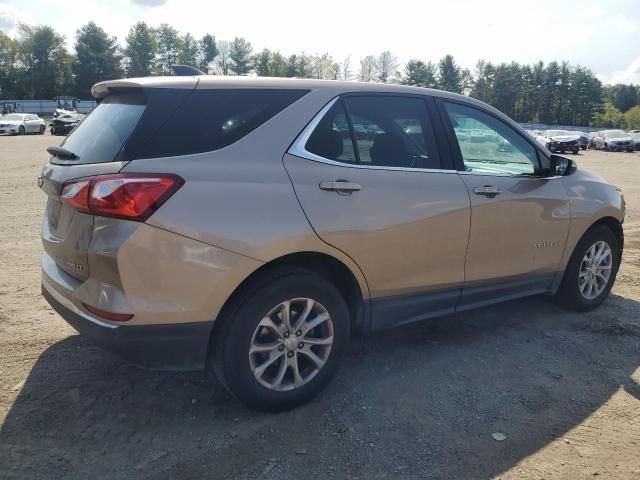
[
  {"x": 450, "y": 75},
  {"x": 420, "y": 74},
  {"x": 140, "y": 50},
  {"x": 240, "y": 56},
  {"x": 97, "y": 59}
]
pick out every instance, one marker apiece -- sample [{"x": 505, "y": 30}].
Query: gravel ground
[{"x": 420, "y": 401}]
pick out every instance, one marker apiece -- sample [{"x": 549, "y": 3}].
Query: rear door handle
[
  {"x": 487, "y": 190},
  {"x": 340, "y": 186}
]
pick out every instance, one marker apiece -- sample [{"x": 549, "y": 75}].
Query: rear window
[
  {"x": 212, "y": 119},
  {"x": 102, "y": 134}
]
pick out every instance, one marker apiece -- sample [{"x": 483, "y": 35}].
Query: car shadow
[{"x": 420, "y": 401}]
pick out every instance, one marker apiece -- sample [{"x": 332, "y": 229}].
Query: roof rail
[{"x": 185, "y": 71}]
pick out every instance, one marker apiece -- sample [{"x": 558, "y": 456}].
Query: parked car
[
  {"x": 617, "y": 140},
  {"x": 583, "y": 139},
  {"x": 261, "y": 248},
  {"x": 559, "y": 141},
  {"x": 63, "y": 123},
  {"x": 21, "y": 124}
]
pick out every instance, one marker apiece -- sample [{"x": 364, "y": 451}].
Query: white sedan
[{"x": 21, "y": 123}]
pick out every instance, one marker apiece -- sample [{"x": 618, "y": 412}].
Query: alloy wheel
[
  {"x": 291, "y": 344},
  {"x": 595, "y": 270}
]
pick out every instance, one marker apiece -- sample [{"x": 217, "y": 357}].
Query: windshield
[
  {"x": 614, "y": 133},
  {"x": 13, "y": 116},
  {"x": 558, "y": 133}
]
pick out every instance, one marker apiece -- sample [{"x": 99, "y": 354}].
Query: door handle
[
  {"x": 340, "y": 186},
  {"x": 487, "y": 190}
]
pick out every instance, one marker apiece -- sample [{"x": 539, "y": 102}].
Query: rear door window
[
  {"x": 102, "y": 134},
  {"x": 212, "y": 119},
  {"x": 386, "y": 131}
]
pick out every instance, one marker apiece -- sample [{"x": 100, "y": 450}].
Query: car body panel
[
  {"x": 407, "y": 231},
  {"x": 592, "y": 199},
  {"x": 516, "y": 236}
]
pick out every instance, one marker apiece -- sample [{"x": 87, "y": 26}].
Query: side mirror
[{"x": 561, "y": 166}]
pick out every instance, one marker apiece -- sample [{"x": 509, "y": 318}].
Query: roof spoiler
[{"x": 185, "y": 71}]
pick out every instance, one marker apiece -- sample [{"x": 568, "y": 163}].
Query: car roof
[{"x": 100, "y": 90}]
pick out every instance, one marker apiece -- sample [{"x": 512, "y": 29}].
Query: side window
[
  {"x": 331, "y": 138},
  {"x": 392, "y": 131},
  {"x": 488, "y": 145},
  {"x": 211, "y": 119}
]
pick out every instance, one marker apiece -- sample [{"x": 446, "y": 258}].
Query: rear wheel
[
  {"x": 279, "y": 346},
  {"x": 591, "y": 270},
  {"x": 42, "y": 129}
]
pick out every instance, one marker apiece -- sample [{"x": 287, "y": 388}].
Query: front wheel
[
  {"x": 42, "y": 129},
  {"x": 591, "y": 271},
  {"x": 281, "y": 344},
  {"x": 21, "y": 130}
]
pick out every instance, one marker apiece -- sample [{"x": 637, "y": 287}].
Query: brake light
[
  {"x": 76, "y": 194},
  {"x": 128, "y": 196}
]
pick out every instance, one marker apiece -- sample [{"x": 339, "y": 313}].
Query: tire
[
  {"x": 239, "y": 329},
  {"x": 21, "y": 130},
  {"x": 42, "y": 129},
  {"x": 570, "y": 294}
]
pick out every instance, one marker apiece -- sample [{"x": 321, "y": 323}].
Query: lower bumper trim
[{"x": 181, "y": 346}]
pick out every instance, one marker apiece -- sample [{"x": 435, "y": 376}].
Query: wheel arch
[
  {"x": 329, "y": 267},
  {"x": 612, "y": 224},
  {"x": 607, "y": 221}
]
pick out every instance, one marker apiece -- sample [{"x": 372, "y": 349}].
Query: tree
[
  {"x": 292, "y": 66},
  {"x": 277, "y": 65},
  {"x": 140, "y": 51},
  {"x": 610, "y": 117},
  {"x": 632, "y": 118},
  {"x": 9, "y": 71},
  {"x": 387, "y": 67},
  {"x": 223, "y": 62},
  {"x": 323, "y": 67},
  {"x": 625, "y": 97},
  {"x": 420, "y": 74},
  {"x": 261, "y": 62},
  {"x": 368, "y": 69},
  {"x": 169, "y": 45},
  {"x": 97, "y": 59},
  {"x": 483, "y": 87},
  {"x": 45, "y": 62},
  {"x": 450, "y": 76},
  {"x": 209, "y": 51},
  {"x": 303, "y": 65},
  {"x": 345, "y": 68},
  {"x": 188, "y": 51},
  {"x": 240, "y": 56}
]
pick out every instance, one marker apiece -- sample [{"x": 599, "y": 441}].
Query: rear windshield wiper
[{"x": 62, "y": 153}]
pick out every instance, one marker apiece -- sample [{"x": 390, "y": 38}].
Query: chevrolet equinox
[{"x": 255, "y": 224}]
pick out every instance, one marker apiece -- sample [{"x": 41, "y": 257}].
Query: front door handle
[
  {"x": 487, "y": 190},
  {"x": 340, "y": 186}
]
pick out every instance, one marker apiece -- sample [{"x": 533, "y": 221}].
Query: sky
[{"x": 603, "y": 35}]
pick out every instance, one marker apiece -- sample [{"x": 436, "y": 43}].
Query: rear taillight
[{"x": 130, "y": 196}]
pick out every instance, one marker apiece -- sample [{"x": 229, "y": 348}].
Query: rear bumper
[{"x": 164, "y": 347}]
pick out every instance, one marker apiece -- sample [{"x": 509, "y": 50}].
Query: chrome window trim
[{"x": 298, "y": 149}]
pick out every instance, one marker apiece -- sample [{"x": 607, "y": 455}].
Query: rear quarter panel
[{"x": 240, "y": 198}]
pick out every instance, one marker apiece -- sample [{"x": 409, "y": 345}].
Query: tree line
[{"x": 37, "y": 65}]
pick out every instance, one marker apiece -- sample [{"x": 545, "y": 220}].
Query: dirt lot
[{"x": 416, "y": 402}]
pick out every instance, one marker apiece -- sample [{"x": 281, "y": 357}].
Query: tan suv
[{"x": 254, "y": 224}]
